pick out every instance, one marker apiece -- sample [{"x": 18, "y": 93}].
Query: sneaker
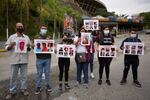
[
  {"x": 10, "y": 96},
  {"x": 123, "y": 81},
  {"x": 60, "y": 87},
  {"x": 82, "y": 76},
  {"x": 92, "y": 76},
  {"x": 77, "y": 84},
  {"x": 86, "y": 86},
  {"x": 137, "y": 83},
  {"x": 99, "y": 82},
  {"x": 38, "y": 90},
  {"x": 48, "y": 88},
  {"x": 25, "y": 92},
  {"x": 108, "y": 82},
  {"x": 67, "y": 86}
]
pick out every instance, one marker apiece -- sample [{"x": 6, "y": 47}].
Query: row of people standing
[{"x": 84, "y": 57}]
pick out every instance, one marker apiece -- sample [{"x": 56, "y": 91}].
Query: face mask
[
  {"x": 20, "y": 30},
  {"x": 106, "y": 32},
  {"x": 43, "y": 32},
  {"x": 133, "y": 35}
]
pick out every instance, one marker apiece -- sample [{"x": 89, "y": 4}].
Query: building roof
[{"x": 90, "y": 6}]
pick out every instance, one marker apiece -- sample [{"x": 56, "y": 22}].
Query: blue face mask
[
  {"x": 133, "y": 35},
  {"x": 43, "y": 32}
]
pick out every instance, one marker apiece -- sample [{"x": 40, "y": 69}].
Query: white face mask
[
  {"x": 43, "y": 31},
  {"x": 133, "y": 35},
  {"x": 106, "y": 32}
]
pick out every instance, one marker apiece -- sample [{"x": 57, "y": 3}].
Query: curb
[{"x": 2, "y": 50}]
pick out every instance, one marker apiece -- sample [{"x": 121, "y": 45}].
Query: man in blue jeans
[
  {"x": 43, "y": 63},
  {"x": 18, "y": 60}
]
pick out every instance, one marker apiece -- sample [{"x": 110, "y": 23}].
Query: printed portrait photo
[
  {"x": 107, "y": 51},
  {"x": 21, "y": 45},
  {"x": 43, "y": 46},
  {"x": 71, "y": 51},
  {"x": 102, "y": 52},
  {"x": 60, "y": 51},
  {"x": 113, "y": 51},
  {"x": 127, "y": 49},
  {"x": 134, "y": 48},
  {"x": 65, "y": 51},
  {"x": 140, "y": 50},
  {"x": 85, "y": 38}
]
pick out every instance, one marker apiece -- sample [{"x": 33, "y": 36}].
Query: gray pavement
[{"x": 95, "y": 92}]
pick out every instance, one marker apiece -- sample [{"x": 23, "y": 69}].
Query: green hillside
[{"x": 33, "y": 13}]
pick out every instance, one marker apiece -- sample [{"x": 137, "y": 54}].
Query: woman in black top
[
  {"x": 64, "y": 64},
  {"x": 104, "y": 38}
]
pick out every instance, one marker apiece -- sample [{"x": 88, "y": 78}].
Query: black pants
[
  {"x": 104, "y": 62},
  {"x": 64, "y": 64},
  {"x": 131, "y": 62}
]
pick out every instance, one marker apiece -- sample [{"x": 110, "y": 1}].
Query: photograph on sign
[
  {"x": 107, "y": 51},
  {"x": 65, "y": 51},
  {"x": 43, "y": 46},
  {"x": 85, "y": 38},
  {"x": 21, "y": 45},
  {"x": 133, "y": 48}
]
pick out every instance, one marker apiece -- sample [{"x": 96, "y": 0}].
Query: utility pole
[
  {"x": 7, "y": 20},
  {"x": 21, "y": 10}
]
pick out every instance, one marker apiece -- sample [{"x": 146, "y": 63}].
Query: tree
[
  {"x": 104, "y": 12},
  {"x": 146, "y": 16}
]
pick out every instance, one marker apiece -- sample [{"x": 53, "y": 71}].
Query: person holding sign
[
  {"x": 43, "y": 61},
  {"x": 132, "y": 60},
  {"x": 64, "y": 63},
  {"x": 81, "y": 59},
  {"x": 18, "y": 59},
  {"x": 104, "y": 38}
]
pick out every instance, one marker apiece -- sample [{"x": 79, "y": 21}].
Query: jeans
[
  {"x": 43, "y": 66},
  {"x": 91, "y": 62},
  {"x": 82, "y": 66},
  {"x": 13, "y": 79}
]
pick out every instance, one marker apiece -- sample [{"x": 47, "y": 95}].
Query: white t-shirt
[
  {"x": 79, "y": 48},
  {"x": 17, "y": 58}
]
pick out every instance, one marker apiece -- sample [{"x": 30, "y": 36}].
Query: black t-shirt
[{"x": 105, "y": 40}]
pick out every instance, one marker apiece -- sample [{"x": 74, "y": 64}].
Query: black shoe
[
  {"x": 123, "y": 81},
  {"x": 67, "y": 86},
  {"x": 48, "y": 88},
  {"x": 137, "y": 83},
  {"x": 38, "y": 90},
  {"x": 99, "y": 82},
  {"x": 108, "y": 82},
  {"x": 10, "y": 96},
  {"x": 60, "y": 87}
]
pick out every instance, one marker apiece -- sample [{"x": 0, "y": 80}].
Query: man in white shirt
[{"x": 18, "y": 60}]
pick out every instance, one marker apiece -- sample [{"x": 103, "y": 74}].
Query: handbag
[{"x": 81, "y": 57}]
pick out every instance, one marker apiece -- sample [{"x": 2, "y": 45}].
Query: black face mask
[{"x": 20, "y": 30}]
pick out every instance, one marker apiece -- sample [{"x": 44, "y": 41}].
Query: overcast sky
[{"x": 127, "y": 6}]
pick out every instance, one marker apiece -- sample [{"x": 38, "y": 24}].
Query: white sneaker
[
  {"x": 82, "y": 76},
  {"x": 92, "y": 76}
]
